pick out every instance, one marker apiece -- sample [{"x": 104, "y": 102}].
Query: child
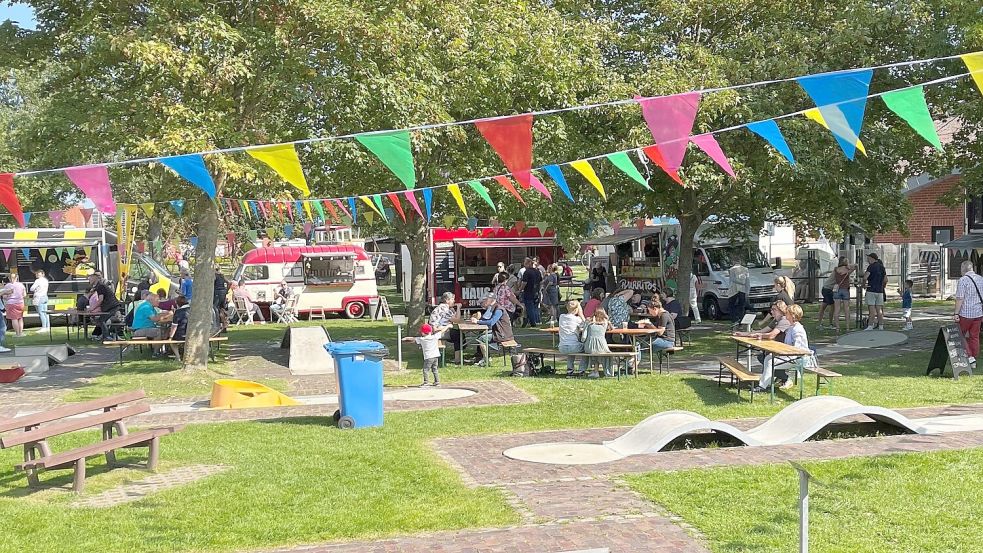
[
  {"x": 595, "y": 341},
  {"x": 906, "y": 303},
  {"x": 429, "y": 341}
]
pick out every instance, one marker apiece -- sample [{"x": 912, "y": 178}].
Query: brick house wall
[{"x": 928, "y": 213}]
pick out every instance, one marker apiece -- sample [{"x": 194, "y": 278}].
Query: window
[
  {"x": 256, "y": 272},
  {"x": 329, "y": 270},
  {"x": 974, "y": 213},
  {"x": 941, "y": 235},
  {"x": 294, "y": 270}
]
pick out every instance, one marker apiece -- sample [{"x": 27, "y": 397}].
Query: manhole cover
[
  {"x": 431, "y": 394},
  {"x": 872, "y": 339},
  {"x": 563, "y": 454}
]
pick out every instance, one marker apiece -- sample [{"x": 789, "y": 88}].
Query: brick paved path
[{"x": 135, "y": 491}]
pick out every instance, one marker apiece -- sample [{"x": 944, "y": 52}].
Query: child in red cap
[{"x": 430, "y": 343}]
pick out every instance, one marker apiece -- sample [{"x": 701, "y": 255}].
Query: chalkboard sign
[
  {"x": 950, "y": 347},
  {"x": 444, "y": 271}
]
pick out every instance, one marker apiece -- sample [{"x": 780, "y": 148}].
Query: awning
[
  {"x": 966, "y": 242},
  {"x": 506, "y": 242},
  {"x": 322, "y": 255},
  {"x": 622, "y": 237}
]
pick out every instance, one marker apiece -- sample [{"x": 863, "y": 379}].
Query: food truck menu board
[{"x": 443, "y": 272}]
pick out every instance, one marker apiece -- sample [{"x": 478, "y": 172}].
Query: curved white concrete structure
[{"x": 794, "y": 424}]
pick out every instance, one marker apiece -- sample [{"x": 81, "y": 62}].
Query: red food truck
[{"x": 463, "y": 261}]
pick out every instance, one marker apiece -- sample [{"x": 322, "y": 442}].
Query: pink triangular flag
[
  {"x": 86, "y": 214},
  {"x": 307, "y": 228},
  {"x": 641, "y": 223},
  {"x": 344, "y": 209},
  {"x": 495, "y": 225},
  {"x": 93, "y": 180},
  {"x": 670, "y": 120},
  {"x": 408, "y": 194},
  {"x": 535, "y": 183},
  {"x": 709, "y": 145},
  {"x": 230, "y": 239},
  {"x": 6, "y": 253},
  {"x": 56, "y": 217},
  {"x": 511, "y": 138},
  {"x": 615, "y": 226}
]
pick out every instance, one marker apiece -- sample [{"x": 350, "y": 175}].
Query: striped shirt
[{"x": 972, "y": 307}]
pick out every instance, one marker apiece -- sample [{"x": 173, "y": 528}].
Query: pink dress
[{"x": 15, "y": 301}]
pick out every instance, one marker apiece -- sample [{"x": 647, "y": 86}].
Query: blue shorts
[
  {"x": 842, "y": 294},
  {"x": 827, "y": 296}
]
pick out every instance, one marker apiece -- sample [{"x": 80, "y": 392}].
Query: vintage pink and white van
[{"x": 336, "y": 278}]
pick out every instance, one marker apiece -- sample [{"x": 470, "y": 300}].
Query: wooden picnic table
[
  {"x": 781, "y": 352},
  {"x": 633, "y": 334},
  {"x": 468, "y": 327},
  {"x": 83, "y": 316}
]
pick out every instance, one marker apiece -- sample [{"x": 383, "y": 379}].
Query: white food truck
[{"x": 334, "y": 278}]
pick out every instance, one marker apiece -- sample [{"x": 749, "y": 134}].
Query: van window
[
  {"x": 256, "y": 272},
  {"x": 700, "y": 268},
  {"x": 329, "y": 270},
  {"x": 294, "y": 270}
]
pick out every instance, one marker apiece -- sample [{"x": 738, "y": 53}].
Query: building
[{"x": 933, "y": 222}]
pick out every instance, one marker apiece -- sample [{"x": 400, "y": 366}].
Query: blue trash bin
[{"x": 358, "y": 368}]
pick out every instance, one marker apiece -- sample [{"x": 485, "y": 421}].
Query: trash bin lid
[{"x": 354, "y": 347}]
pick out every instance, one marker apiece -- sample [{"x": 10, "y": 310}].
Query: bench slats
[
  {"x": 823, "y": 372},
  {"x": 59, "y": 460},
  {"x": 138, "y": 342},
  {"x": 737, "y": 369},
  {"x": 69, "y": 410},
  {"x": 71, "y": 425},
  {"x": 557, "y": 353}
]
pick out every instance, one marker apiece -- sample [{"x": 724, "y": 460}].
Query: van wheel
[
  {"x": 711, "y": 309},
  {"x": 355, "y": 310}
]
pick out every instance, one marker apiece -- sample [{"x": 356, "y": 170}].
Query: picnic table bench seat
[
  {"x": 823, "y": 376},
  {"x": 739, "y": 374},
  {"x": 111, "y": 414},
  {"x": 630, "y": 353},
  {"x": 140, "y": 342}
]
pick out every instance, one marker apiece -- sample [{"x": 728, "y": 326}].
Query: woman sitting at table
[
  {"x": 595, "y": 342},
  {"x": 796, "y": 337},
  {"x": 784, "y": 291},
  {"x": 571, "y": 325},
  {"x": 596, "y": 297},
  {"x": 618, "y": 312}
]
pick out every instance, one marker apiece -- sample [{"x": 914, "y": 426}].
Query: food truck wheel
[
  {"x": 711, "y": 309},
  {"x": 346, "y": 422},
  {"x": 355, "y": 310}
]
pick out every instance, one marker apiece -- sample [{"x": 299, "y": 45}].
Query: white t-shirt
[
  {"x": 692, "y": 287},
  {"x": 430, "y": 345},
  {"x": 40, "y": 290},
  {"x": 570, "y": 329}
]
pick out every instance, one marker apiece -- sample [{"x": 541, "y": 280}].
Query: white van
[{"x": 335, "y": 278}]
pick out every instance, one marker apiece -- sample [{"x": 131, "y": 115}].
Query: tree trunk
[
  {"x": 419, "y": 247},
  {"x": 687, "y": 232},
  {"x": 200, "y": 318}
]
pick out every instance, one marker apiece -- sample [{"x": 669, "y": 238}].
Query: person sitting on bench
[
  {"x": 661, "y": 320},
  {"x": 179, "y": 324},
  {"x": 501, "y": 327},
  {"x": 146, "y": 317},
  {"x": 794, "y": 336},
  {"x": 571, "y": 325}
]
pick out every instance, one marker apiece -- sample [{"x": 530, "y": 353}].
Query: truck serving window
[
  {"x": 256, "y": 272},
  {"x": 329, "y": 270}
]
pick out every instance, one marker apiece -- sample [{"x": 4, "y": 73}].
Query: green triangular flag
[
  {"x": 449, "y": 221},
  {"x": 320, "y": 211},
  {"x": 909, "y": 104},
  {"x": 623, "y": 162},
  {"x": 483, "y": 192},
  {"x": 395, "y": 151},
  {"x": 270, "y": 232},
  {"x": 377, "y": 200},
  {"x": 253, "y": 235},
  {"x": 59, "y": 252}
]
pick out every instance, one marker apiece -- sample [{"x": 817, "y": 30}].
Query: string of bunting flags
[{"x": 840, "y": 100}]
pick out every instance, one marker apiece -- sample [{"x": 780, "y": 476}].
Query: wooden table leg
[{"x": 78, "y": 481}]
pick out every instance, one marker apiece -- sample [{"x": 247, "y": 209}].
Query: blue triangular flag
[
  {"x": 177, "y": 206},
  {"x": 472, "y": 223},
  {"x": 561, "y": 182},
  {"x": 841, "y": 98},
  {"x": 288, "y": 231},
  {"x": 192, "y": 168},
  {"x": 351, "y": 206},
  {"x": 428, "y": 201},
  {"x": 27, "y": 218},
  {"x": 194, "y": 241},
  {"x": 26, "y": 252},
  {"x": 253, "y": 208},
  {"x": 769, "y": 131}
]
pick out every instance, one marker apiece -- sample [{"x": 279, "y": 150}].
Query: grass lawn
[{"x": 907, "y": 502}]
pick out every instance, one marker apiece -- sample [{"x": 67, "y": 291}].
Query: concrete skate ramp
[
  {"x": 57, "y": 353},
  {"x": 658, "y": 431},
  {"x": 794, "y": 424},
  {"x": 307, "y": 353}
]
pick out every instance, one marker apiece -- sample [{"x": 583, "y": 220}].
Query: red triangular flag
[
  {"x": 86, "y": 214},
  {"x": 230, "y": 239},
  {"x": 396, "y": 204},
  {"x": 9, "y": 199},
  {"x": 615, "y": 226},
  {"x": 641, "y": 223},
  {"x": 655, "y": 155},
  {"x": 519, "y": 226},
  {"x": 507, "y": 184},
  {"x": 511, "y": 138},
  {"x": 56, "y": 217},
  {"x": 141, "y": 246},
  {"x": 331, "y": 211}
]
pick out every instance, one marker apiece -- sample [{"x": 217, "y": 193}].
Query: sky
[{"x": 20, "y": 13}]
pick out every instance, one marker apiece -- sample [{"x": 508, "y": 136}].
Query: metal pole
[
  {"x": 803, "y": 511},
  {"x": 399, "y": 346}
]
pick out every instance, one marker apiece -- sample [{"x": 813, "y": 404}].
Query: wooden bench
[
  {"x": 38, "y": 427},
  {"x": 739, "y": 374},
  {"x": 617, "y": 355},
  {"x": 823, "y": 376},
  {"x": 175, "y": 344},
  {"x": 665, "y": 354}
]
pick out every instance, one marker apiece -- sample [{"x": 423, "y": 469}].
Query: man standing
[
  {"x": 740, "y": 287},
  {"x": 969, "y": 308},
  {"x": 694, "y": 298},
  {"x": 876, "y": 278},
  {"x": 532, "y": 279}
]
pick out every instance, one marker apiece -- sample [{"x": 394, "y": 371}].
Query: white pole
[
  {"x": 803, "y": 511},
  {"x": 399, "y": 346}
]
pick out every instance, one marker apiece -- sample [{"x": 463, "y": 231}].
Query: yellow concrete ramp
[{"x": 229, "y": 393}]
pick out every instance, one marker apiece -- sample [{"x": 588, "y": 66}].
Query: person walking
[
  {"x": 551, "y": 291},
  {"x": 969, "y": 308},
  {"x": 39, "y": 289},
  {"x": 876, "y": 278},
  {"x": 694, "y": 298},
  {"x": 532, "y": 281},
  {"x": 841, "y": 292},
  {"x": 740, "y": 287},
  {"x": 828, "y": 303}
]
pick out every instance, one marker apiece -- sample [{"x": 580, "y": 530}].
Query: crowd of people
[{"x": 523, "y": 291}]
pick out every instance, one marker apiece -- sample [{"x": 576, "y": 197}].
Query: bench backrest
[
  {"x": 65, "y": 411},
  {"x": 65, "y": 426}
]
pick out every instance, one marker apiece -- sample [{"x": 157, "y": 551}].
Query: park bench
[
  {"x": 738, "y": 375},
  {"x": 665, "y": 355},
  {"x": 616, "y": 355},
  {"x": 174, "y": 344},
  {"x": 39, "y": 427},
  {"x": 823, "y": 376}
]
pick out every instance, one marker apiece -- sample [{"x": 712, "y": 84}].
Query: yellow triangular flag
[
  {"x": 975, "y": 64},
  {"x": 283, "y": 159},
  {"x": 148, "y": 208},
  {"x": 584, "y": 168},
  {"x": 817, "y": 116},
  {"x": 307, "y": 210},
  {"x": 369, "y": 203},
  {"x": 455, "y": 191}
]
